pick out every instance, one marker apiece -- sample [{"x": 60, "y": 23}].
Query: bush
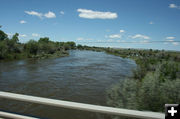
[
  {"x": 157, "y": 88},
  {"x": 154, "y": 93},
  {"x": 32, "y": 47},
  {"x": 123, "y": 94},
  {"x": 150, "y": 97}
]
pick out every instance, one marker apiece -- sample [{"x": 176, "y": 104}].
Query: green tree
[
  {"x": 79, "y": 46},
  {"x": 15, "y": 38},
  {"x": 3, "y": 36},
  {"x": 72, "y": 44},
  {"x": 32, "y": 47},
  {"x": 3, "y": 49},
  {"x": 44, "y": 40}
]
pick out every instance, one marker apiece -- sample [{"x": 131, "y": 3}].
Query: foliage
[
  {"x": 123, "y": 94},
  {"x": 32, "y": 47},
  {"x": 13, "y": 49},
  {"x": 3, "y": 36},
  {"x": 157, "y": 88}
]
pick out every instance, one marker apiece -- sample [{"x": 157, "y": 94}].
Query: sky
[{"x": 106, "y": 23}]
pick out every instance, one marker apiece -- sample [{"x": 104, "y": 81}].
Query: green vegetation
[
  {"x": 11, "y": 48},
  {"x": 156, "y": 80}
]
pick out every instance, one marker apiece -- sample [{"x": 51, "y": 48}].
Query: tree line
[{"x": 11, "y": 48}]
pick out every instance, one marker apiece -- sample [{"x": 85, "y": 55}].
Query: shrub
[
  {"x": 157, "y": 88},
  {"x": 123, "y": 94}
]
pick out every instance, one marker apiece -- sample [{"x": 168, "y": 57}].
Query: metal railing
[{"x": 77, "y": 106}]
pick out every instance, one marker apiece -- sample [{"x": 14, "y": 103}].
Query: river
[{"x": 83, "y": 76}]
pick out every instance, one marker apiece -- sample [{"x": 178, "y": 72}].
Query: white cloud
[
  {"x": 90, "y": 14},
  {"x": 80, "y": 38},
  {"x": 22, "y": 35},
  {"x": 33, "y": 13},
  {"x": 144, "y": 42},
  {"x": 139, "y": 36},
  {"x": 22, "y": 22},
  {"x": 175, "y": 43},
  {"x": 110, "y": 40},
  {"x": 165, "y": 43},
  {"x": 89, "y": 39},
  {"x": 41, "y": 15},
  {"x": 114, "y": 36},
  {"x": 50, "y": 15},
  {"x": 170, "y": 38},
  {"x": 35, "y": 35},
  {"x": 174, "y": 6},
  {"x": 62, "y": 12},
  {"x": 122, "y": 31},
  {"x": 9, "y": 34},
  {"x": 151, "y": 22}
]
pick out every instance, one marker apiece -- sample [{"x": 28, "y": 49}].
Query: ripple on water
[{"x": 83, "y": 76}]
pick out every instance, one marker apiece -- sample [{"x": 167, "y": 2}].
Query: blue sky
[{"x": 109, "y": 23}]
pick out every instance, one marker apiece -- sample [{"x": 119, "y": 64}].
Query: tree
[
  {"x": 44, "y": 40},
  {"x": 72, "y": 44},
  {"x": 15, "y": 37},
  {"x": 3, "y": 36},
  {"x": 79, "y": 46},
  {"x": 32, "y": 47},
  {"x": 3, "y": 49}
]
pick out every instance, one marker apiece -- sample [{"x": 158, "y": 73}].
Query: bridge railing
[{"x": 77, "y": 106}]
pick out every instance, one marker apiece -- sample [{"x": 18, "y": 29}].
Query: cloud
[
  {"x": 50, "y": 15},
  {"x": 9, "y": 34},
  {"x": 62, "y": 12},
  {"x": 110, "y": 40},
  {"x": 90, "y": 14},
  {"x": 22, "y": 22},
  {"x": 41, "y": 15},
  {"x": 170, "y": 38},
  {"x": 174, "y": 6},
  {"x": 139, "y": 36},
  {"x": 122, "y": 31},
  {"x": 165, "y": 43},
  {"x": 151, "y": 22},
  {"x": 22, "y": 35},
  {"x": 175, "y": 43},
  {"x": 35, "y": 35},
  {"x": 114, "y": 36},
  {"x": 33, "y": 13},
  {"x": 144, "y": 42},
  {"x": 80, "y": 38}
]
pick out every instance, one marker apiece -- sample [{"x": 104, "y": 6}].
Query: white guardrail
[{"x": 77, "y": 106}]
